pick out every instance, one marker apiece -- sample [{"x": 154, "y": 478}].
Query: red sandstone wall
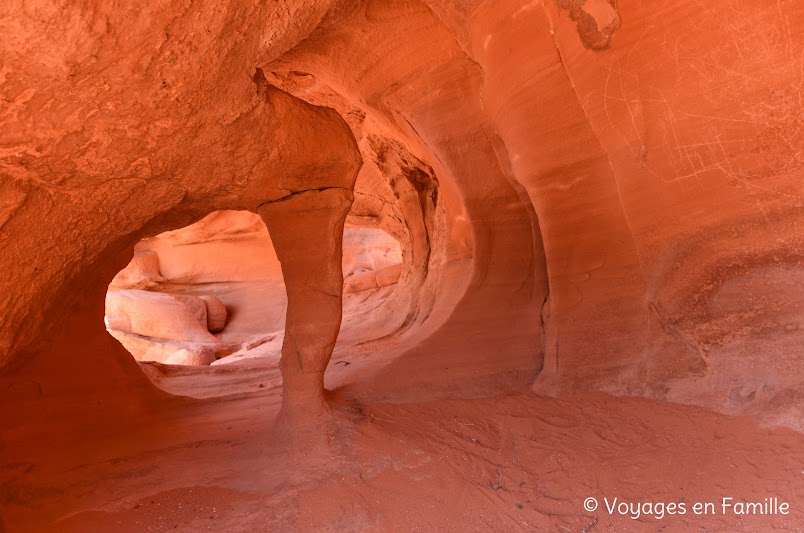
[{"x": 595, "y": 196}]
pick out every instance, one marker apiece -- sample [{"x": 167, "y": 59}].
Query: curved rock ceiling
[{"x": 590, "y": 195}]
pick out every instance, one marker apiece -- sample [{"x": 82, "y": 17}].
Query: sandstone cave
[{"x": 401, "y": 265}]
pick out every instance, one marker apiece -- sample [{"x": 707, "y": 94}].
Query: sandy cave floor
[
  {"x": 214, "y": 459},
  {"x": 512, "y": 463}
]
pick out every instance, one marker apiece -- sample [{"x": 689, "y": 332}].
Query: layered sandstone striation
[
  {"x": 215, "y": 289},
  {"x": 557, "y": 197}
]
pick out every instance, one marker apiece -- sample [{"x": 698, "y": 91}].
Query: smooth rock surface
[
  {"x": 600, "y": 202},
  {"x": 216, "y": 313},
  {"x": 158, "y": 315}
]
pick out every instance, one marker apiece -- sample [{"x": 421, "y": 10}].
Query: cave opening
[{"x": 213, "y": 292}]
